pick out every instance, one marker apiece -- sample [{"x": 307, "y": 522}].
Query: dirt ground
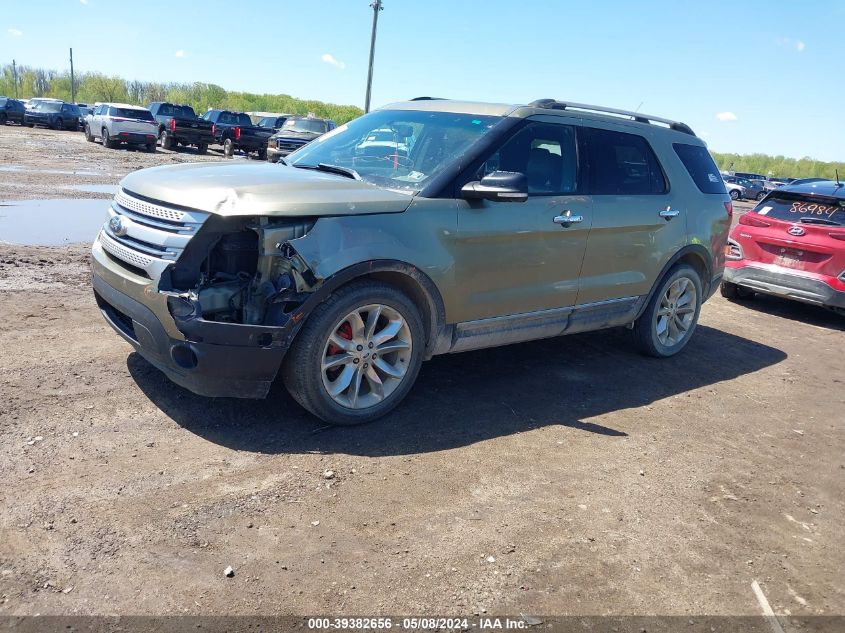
[{"x": 566, "y": 476}]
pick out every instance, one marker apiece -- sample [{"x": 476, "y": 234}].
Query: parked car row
[{"x": 170, "y": 126}]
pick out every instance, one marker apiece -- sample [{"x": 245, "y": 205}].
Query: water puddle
[
  {"x": 110, "y": 189},
  {"x": 66, "y": 172},
  {"x": 51, "y": 222}
]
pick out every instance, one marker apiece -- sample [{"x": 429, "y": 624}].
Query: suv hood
[{"x": 267, "y": 189}]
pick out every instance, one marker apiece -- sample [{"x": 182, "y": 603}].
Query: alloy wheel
[
  {"x": 366, "y": 357},
  {"x": 676, "y": 313}
]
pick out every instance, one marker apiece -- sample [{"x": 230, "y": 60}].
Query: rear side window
[
  {"x": 623, "y": 165},
  {"x": 796, "y": 207},
  {"x": 701, "y": 167}
]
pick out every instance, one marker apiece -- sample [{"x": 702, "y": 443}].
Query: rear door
[
  {"x": 638, "y": 222},
  {"x": 513, "y": 258}
]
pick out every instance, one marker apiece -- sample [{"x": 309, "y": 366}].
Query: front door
[{"x": 515, "y": 258}]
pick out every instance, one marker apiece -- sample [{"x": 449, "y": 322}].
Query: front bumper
[
  {"x": 782, "y": 282},
  {"x": 208, "y": 358}
]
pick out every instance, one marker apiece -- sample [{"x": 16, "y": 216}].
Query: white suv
[{"x": 117, "y": 123}]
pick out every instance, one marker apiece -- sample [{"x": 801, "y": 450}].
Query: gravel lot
[{"x": 568, "y": 476}]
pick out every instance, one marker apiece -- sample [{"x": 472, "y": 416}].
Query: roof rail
[
  {"x": 553, "y": 104},
  {"x": 427, "y": 99}
]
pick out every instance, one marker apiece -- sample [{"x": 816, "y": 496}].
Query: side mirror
[{"x": 500, "y": 186}]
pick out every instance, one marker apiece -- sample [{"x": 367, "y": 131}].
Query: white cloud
[
  {"x": 15, "y": 32},
  {"x": 83, "y": 1},
  {"x": 726, "y": 116},
  {"x": 180, "y": 53},
  {"x": 788, "y": 42},
  {"x": 331, "y": 61}
]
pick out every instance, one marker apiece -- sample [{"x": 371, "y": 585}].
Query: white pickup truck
[{"x": 117, "y": 123}]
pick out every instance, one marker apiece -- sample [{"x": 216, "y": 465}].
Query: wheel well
[
  {"x": 412, "y": 290},
  {"x": 695, "y": 260}
]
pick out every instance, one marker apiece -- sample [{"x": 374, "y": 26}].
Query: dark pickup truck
[
  {"x": 179, "y": 125},
  {"x": 235, "y": 131},
  {"x": 296, "y": 132}
]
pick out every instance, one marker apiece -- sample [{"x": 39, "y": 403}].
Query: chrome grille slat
[{"x": 148, "y": 236}]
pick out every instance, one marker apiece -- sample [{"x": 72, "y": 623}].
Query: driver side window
[{"x": 545, "y": 153}]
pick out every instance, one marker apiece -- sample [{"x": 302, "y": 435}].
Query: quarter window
[
  {"x": 623, "y": 165},
  {"x": 545, "y": 153}
]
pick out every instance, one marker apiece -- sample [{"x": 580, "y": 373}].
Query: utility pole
[
  {"x": 377, "y": 6},
  {"x": 15, "y": 77},
  {"x": 72, "y": 84}
]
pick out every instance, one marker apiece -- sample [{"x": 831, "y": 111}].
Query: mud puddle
[{"x": 51, "y": 222}]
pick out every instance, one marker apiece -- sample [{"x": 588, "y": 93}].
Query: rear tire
[
  {"x": 3, "y": 119},
  {"x": 671, "y": 316},
  {"x": 734, "y": 194},
  {"x": 369, "y": 394},
  {"x": 166, "y": 140},
  {"x": 228, "y": 148},
  {"x": 262, "y": 154},
  {"x": 761, "y": 195},
  {"x": 58, "y": 124},
  {"x": 202, "y": 148},
  {"x": 107, "y": 142},
  {"x": 734, "y": 292},
  {"x": 151, "y": 147}
]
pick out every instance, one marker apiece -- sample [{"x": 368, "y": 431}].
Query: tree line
[
  {"x": 94, "y": 86},
  {"x": 778, "y": 165}
]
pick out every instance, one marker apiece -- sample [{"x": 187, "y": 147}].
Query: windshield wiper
[
  {"x": 332, "y": 169},
  {"x": 818, "y": 221}
]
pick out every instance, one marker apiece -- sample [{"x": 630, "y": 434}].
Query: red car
[{"x": 791, "y": 245}]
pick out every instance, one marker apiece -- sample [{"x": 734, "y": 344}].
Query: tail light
[
  {"x": 733, "y": 250},
  {"x": 237, "y": 133},
  {"x": 729, "y": 208},
  {"x": 172, "y": 125},
  {"x": 214, "y": 129},
  {"x": 752, "y": 219}
]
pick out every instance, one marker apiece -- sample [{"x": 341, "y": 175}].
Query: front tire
[
  {"x": 761, "y": 195},
  {"x": 670, "y": 318},
  {"x": 88, "y": 136},
  {"x": 358, "y": 354},
  {"x": 734, "y": 194}
]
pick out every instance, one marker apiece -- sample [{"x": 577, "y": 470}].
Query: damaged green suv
[{"x": 423, "y": 228}]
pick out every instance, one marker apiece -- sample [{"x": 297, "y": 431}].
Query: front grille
[
  {"x": 288, "y": 146},
  {"x": 148, "y": 235}
]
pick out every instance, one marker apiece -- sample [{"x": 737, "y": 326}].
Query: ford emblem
[
  {"x": 795, "y": 230},
  {"x": 117, "y": 227}
]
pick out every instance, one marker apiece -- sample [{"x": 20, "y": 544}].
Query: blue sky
[{"x": 746, "y": 76}]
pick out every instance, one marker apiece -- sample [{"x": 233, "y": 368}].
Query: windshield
[
  {"x": 315, "y": 126},
  {"x": 3, "y": 102},
  {"x": 422, "y": 144},
  {"x": 48, "y": 106},
  {"x": 797, "y": 207}
]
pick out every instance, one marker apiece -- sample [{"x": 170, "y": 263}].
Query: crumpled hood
[{"x": 247, "y": 188}]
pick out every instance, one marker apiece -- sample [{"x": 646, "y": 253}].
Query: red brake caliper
[{"x": 344, "y": 331}]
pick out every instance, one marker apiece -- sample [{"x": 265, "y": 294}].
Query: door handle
[
  {"x": 567, "y": 218},
  {"x": 667, "y": 214}
]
